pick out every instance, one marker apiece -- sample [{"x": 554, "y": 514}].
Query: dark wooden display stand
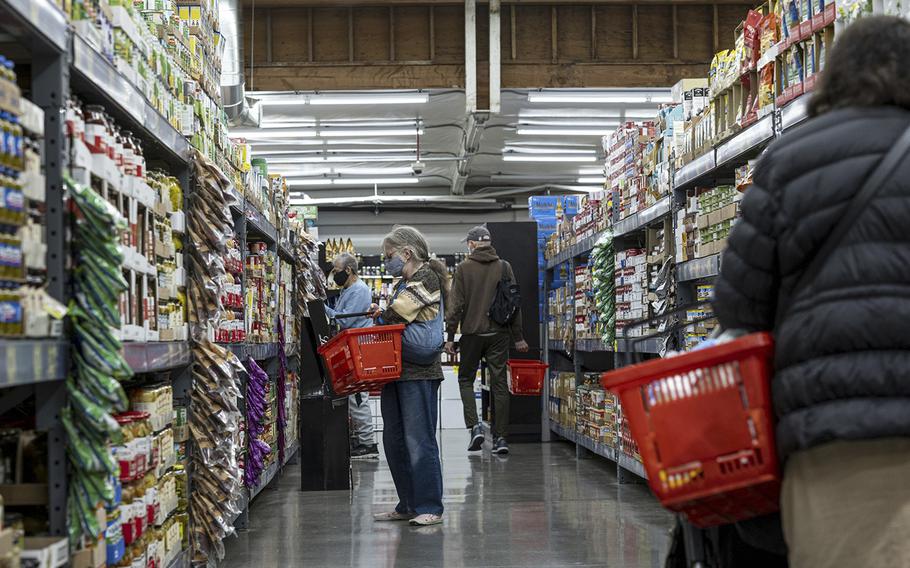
[
  {"x": 325, "y": 453},
  {"x": 517, "y": 243}
]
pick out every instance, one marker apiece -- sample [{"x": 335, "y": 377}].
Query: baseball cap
[{"x": 478, "y": 234}]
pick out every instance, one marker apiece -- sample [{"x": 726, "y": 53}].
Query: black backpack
[{"x": 506, "y": 299}]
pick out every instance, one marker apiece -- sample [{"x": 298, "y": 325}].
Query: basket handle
[{"x": 346, "y": 316}]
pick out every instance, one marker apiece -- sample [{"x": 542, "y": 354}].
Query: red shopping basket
[
  {"x": 363, "y": 359},
  {"x": 703, "y": 423},
  {"x": 526, "y": 377}
]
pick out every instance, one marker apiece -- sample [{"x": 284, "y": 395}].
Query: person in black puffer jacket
[{"x": 841, "y": 387}]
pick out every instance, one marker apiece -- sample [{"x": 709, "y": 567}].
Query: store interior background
[{"x": 491, "y": 127}]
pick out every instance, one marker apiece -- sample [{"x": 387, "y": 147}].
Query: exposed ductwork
[{"x": 238, "y": 110}]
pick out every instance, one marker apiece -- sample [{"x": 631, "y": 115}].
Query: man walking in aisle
[
  {"x": 355, "y": 298},
  {"x": 474, "y": 287}
]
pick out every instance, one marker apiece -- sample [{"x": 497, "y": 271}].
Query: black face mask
[{"x": 340, "y": 278}]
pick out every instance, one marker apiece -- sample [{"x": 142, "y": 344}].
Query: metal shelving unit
[
  {"x": 31, "y": 361},
  {"x": 95, "y": 77},
  {"x": 717, "y": 164},
  {"x": 698, "y": 269},
  {"x": 63, "y": 63},
  {"x": 631, "y": 224},
  {"x": 154, "y": 357},
  {"x": 622, "y": 461},
  {"x": 592, "y": 346}
]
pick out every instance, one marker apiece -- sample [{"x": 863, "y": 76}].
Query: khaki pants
[{"x": 847, "y": 505}]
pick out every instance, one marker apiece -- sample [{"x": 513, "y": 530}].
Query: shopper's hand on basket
[
  {"x": 375, "y": 311},
  {"x": 450, "y": 347},
  {"x": 521, "y": 346}
]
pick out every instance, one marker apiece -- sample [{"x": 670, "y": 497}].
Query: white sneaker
[
  {"x": 394, "y": 516},
  {"x": 426, "y": 520}
]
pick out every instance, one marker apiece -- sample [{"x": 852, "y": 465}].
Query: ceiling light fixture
[
  {"x": 342, "y": 99},
  {"x": 617, "y": 97},
  {"x": 600, "y": 180},
  {"x": 564, "y": 123},
  {"x": 308, "y": 182},
  {"x": 347, "y": 123},
  {"x": 397, "y": 170},
  {"x": 599, "y": 171},
  {"x": 523, "y": 131},
  {"x": 271, "y": 133},
  {"x": 547, "y": 158},
  {"x": 287, "y": 123},
  {"x": 548, "y": 150},
  {"x": 333, "y": 133},
  {"x": 311, "y": 172},
  {"x": 371, "y": 99},
  {"x": 307, "y": 200},
  {"x": 375, "y": 181}
]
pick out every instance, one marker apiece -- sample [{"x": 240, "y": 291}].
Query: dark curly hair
[{"x": 868, "y": 66}]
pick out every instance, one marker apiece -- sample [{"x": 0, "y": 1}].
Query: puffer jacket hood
[
  {"x": 485, "y": 254},
  {"x": 842, "y": 347}
]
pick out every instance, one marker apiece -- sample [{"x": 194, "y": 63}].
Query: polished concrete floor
[{"x": 538, "y": 507}]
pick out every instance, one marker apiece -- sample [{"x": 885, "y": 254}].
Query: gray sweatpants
[{"x": 361, "y": 419}]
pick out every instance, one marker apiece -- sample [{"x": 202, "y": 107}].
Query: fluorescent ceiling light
[
  {"x": 333, "y": 133},
  {"x": 397, "y": 145},
  {"x": 595, "y": 97},
  {"x": 287, "y": 123},
  {"x": 599, "y": 171},
  {"x": 307, "y": 182},
  {"x": 587, "y": 188},
  {"x": 547, "y": 150},
  {"x": 319, "y": 158},
  {"x": 375, "y": 181},
  {"x": 403, "y": 158},
  {"x": 397, "y": 170},
  {"x": 390, "y": 199},
  {"x": 353, "y": 181},
  {"x": 348, "y": 171},
  {"x": 370, "y": 99},
  {"x": 523, "y": 131},
  {"x": 586, "y": 113},
  {"x": 292, "y": 99},
  {"x": 266, "y": 153},
  {"x": 547, "y": 158},
  {"x": 412, "y": 123},
  {"x": 271, "y": 133},
  {"x": 562, "y": 123},
  {"x": 600, "y": 180}
]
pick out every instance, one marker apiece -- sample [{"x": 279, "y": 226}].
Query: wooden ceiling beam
[{"x": 424, "y": 75}]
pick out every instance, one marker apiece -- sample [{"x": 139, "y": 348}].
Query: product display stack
[
  {"x": 214, "y": 414},
  {"x": 631, "y": 187},
  {"x": 170, "y": 232},
  {"x": 603, "y": 283},
  {"x": 596, "y": 411},
  {"x": 23, "y": 249},
  {"x": 562, "y": 399},
  {"x": 94, "y": 390}
]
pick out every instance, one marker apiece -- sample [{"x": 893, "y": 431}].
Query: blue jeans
[{"x": 409, "y": 415}]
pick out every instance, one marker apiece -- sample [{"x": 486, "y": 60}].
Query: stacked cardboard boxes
[
  {"x": 626, "y": 152},
  {"x": 562, "y": 399},
  {"x": 596, "y": 411},
  {"x": 631, "y": 278}
]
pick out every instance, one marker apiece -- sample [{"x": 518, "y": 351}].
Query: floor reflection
[{"x": 540, "y": 506}]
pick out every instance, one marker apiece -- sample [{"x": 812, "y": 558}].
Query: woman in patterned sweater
[{"x": 409, "y": 405}]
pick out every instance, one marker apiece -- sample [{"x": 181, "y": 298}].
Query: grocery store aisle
[{"x": 537, "y": 507}]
